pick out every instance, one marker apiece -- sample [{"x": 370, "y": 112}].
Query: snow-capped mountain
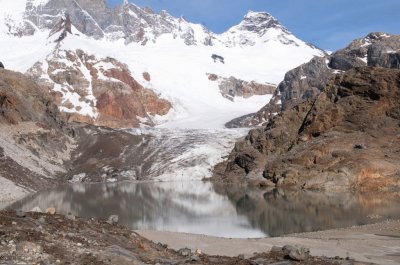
[{"x": 159, "y": 52}]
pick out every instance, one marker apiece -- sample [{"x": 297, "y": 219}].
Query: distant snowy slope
[{"x": 175, "y": 54}]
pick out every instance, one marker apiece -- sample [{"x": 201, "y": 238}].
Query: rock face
[
  {"x": 309, "y": 79},
  {"x": 232, "y": 87},
  {"x": 35, "y": 138},
  {"x": 347, "y": 137},
  {"x": 97, "y": 91},
  {"x": 134, "y": 24},
  {"x": 63, "y": 27},
  {"x": 21, "y": 99}
]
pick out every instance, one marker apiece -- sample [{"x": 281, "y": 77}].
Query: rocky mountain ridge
[
  {"x": 132, "y": 23},
  {"x": 308, "y": 80}
]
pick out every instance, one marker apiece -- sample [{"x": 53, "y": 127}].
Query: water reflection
[{"x": 226, "y": 211}]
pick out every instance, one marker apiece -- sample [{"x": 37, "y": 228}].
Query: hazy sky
[{"x": 329, "y": 24}]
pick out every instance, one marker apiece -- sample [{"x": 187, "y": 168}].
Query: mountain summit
[{"x": 259, "y": 22}]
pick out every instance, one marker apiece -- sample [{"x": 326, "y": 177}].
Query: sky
[{"x": 329, "y": 24}]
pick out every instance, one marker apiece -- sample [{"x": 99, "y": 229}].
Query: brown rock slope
[
  {"x": 347, "y": 137},
  {"x": 377, "y": 49},
  {"x": 35, "y": 140},
  {"x": 99, "y": 91}
]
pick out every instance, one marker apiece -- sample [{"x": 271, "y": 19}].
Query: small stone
[
  {"x": 113, "y": 220},
  {"x": 20, "y": 213},
  {"x": 13, "y": 249},
  {"x": 285, "y": 262},
  {"x": 70, "y": 216},
  {"x": 29, "y": 247},
  {"x": 41, "y": 220},
  {"x": 359, "y": 146},
  {"x": 36, "y": 210},
  {"x": 198, "y": 252},
  {"x": 241, "y": 256},
  {"x": 51, "y": 211},
  {"x": 297, "y": 253},
  {"x": 185, "y": 251},
  {"x": 195, "y": 258},
  {"x": 259, "y": 261},
  {"x": 14, "y": 223},
  {"x": 79, "y": 244}
]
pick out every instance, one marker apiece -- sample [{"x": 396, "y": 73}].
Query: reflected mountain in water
[
  {"x": 218, "y": 210},
  {"x": 191, "y": 207},
  {"x": 280, "y": 212}
]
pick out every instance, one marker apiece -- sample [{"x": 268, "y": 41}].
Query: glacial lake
[{"x": 216, "y": 210}]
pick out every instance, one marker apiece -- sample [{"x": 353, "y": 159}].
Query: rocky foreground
[
  {"x": 347, "y": 137},
  {"x": 36, "y": 238}
]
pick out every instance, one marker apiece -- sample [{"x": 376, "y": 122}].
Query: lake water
[{"x": 217, "y": 210}]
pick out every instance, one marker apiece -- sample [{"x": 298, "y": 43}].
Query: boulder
[
  {"x": 113, "y": 219},
  {"x": 20, "y": 213},
  {"x": 70, "y": 216},
  {"x": 297, "y": 253},
  {"x": 51, "y": 211},
  {"x": 185, "y": 251},
  {"x": 146, "y": 76}
]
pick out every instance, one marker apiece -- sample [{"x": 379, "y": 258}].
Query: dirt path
[{"x": 376, "y": 243}]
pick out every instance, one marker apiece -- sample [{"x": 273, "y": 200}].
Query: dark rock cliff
[{"x": 347, "y": 137}]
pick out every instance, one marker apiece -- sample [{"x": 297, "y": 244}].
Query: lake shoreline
[
  {"x": 377, "y": 243},
  {"x": 38, "y": 238}
]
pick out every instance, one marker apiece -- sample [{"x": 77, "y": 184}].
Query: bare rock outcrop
[
  {"x": 232, "y": 87},
  {"x": 97, "y": 91},
  {"x": 347, "y": 137},
  {"x": 35, "y": 138},
  {"x": 21, "y": 99},
  {"x": 309, "y": 79}
]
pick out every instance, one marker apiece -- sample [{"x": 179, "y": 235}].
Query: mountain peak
[
  {"x": 257, "y": 15},
  {"x": 259, "y": 22}
]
